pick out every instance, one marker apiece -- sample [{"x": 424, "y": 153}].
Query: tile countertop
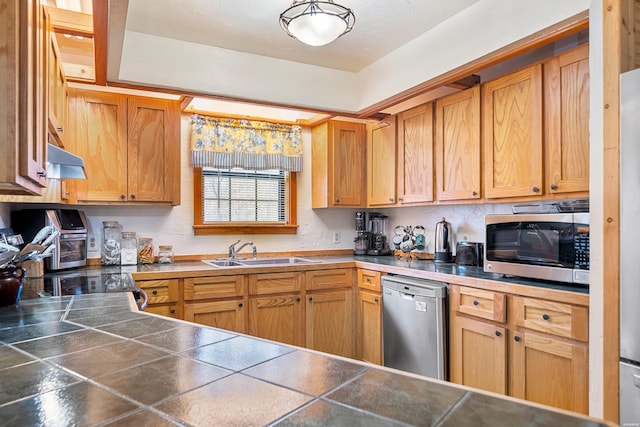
[{"x": 95, "y": 360}]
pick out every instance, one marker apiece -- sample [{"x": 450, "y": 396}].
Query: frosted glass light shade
[{"x": 316, "y": 22}]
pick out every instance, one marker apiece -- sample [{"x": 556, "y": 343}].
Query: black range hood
[{"x": 63, "y": 164}]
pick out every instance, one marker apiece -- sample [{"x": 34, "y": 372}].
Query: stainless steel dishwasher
[{"x": 414, "y": 325}]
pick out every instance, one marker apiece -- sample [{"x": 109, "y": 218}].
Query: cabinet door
[
  {"x": 567, "y": 121},
  {"x": 160, "y": 291},
  {"x": 550, "y": 371},
  {"x": 330, "y": 318},
  {"x": 229, "y": 314},
  {"x": 369, "y": 327},
  {"x": 170, "y": 310},
  {"x": 381, "y": 163},
  {"x": 57, "y": 84},
  {"x": 415, "y": 155},
  {"x": 153, "y": 150},
  {"x": 277, "y": 318},
  {"x": 101, "y": 140},
  {"x": 347, "y": 164},
  {"x": 478, "y": 354},
  {"x": 458, "y": 145},
  {"x": 196, "y": 288},
  {"x": 513, "y": 143}
]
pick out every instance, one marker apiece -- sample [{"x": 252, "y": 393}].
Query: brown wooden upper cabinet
[
  {"x": 381, "y": 163},
  {"x": 338, "y": 167},
  {"x": 567, "y": 121},
  {"x": 458, "y": 146},
  {"x": 130, "y": 145},
  {"x": 23, "y": 43},
  {"x": 415, "y": 155},
  {"x": 513, "y": 134},
  {"x": 58, "y": 91}
]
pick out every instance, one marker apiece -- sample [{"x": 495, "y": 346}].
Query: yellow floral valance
[{"x": 248, "y": 144}]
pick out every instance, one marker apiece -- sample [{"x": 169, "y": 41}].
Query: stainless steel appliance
[
  {"x": 414, "y": 325},
  {"x": 71, "y": 246},
  {"x": 541, "y": 246},
  {"x": 469, "y": 254},
  {"x": 444, "y": 242},
  {"x": 371, "y": 234},
  {"x": 629, "y": 237}
]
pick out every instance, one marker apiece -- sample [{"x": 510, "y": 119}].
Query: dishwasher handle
[{"x": 406, "y": 296}]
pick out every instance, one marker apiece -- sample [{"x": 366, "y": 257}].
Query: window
[{"x": 238, "y": 201}]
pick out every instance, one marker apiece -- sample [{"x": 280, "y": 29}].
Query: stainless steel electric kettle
[{"x": 444, "y": 242}]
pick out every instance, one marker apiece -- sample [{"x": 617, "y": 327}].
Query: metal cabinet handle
[
  {"x": 545, "y": 316},
  {"x": 375, "y": 299},
  {"x": 240, "y": 305},
  {"x": 474, "y": 193},
  {"x": 122, "y": 197},
  {"x": 554, "y": 187},
  {"x": 337, "y": 200},
  {"x": 498, "y": 333},
  {"x": 475, "y": 302},
  {"x": 154, "y": 292},
  {"x": 132, "y": 197},
  {"x": 172, "y": 311},
  {"x": 42, "y": 173},
  {"x": 59, "y": 128},
  {"x": 310, "y": 298},
  {"x": 298, "y": 299},
  {"x": 516, "y": 338},
  {"x": 535, "y": 189},
  {"x": 400, "y": 199}
]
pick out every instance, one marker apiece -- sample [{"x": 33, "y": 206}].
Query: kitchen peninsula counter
[{"x": 95, "y": 360}]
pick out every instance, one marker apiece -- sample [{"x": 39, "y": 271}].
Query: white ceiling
[
  {"x": 252, "y": 26},
  {"x": 235, "y": 49}
]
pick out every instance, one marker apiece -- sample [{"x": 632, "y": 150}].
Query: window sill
[{"x": 207, "y": 230}]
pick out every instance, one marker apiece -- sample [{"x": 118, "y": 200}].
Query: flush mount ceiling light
[{"x": 316, "y": 22}]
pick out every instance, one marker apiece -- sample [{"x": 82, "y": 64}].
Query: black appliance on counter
[
  {"x": 71, "y": 245},
  {"x": 470, "y": 254},
  {"x": 371, "y": 234}
]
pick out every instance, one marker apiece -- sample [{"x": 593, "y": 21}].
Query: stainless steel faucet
[{"x": 233, "y": 251}]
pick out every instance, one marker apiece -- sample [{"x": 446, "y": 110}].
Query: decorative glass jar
[
  {"x": 110, "y": 243},
  {"x": 165, "y": 254},
  {"x": 145, "y": 250},
  {"x": 129, "y": 252}
]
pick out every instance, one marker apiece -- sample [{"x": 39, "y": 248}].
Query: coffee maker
[{"x": 371, "y": 234}]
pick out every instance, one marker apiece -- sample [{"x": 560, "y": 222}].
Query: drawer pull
[
  {"x": 172, "y": 311},
  {"x": 498, "y": 333},
  {"x": 240, "y": 305},
  {"x": 298, "y": 299},
  {"x": 310, "y": 298},
  {"x": 516, "y": 338},
  {"x": 375, "y": 299},
  {"x": 545, "y": 316},
  {"x": 155, "y": 292},
  {"x": 475, "y": 302}
]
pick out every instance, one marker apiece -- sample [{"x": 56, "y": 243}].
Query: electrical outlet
[
  {"x": 93, "y": 246},
  {"x": 336, "y": 238}
]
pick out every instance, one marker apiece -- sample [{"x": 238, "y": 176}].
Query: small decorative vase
[{"x": 10, "y": 285}]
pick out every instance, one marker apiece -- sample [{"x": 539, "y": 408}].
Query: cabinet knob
[
  {"x": 516, "y": 338},
  {"x": 122, "y": 197},
  {"x": 298, "y": 299},
  {"x": 310, "y": 298},
  {"x": 400, "y": 199},
  {"x": 337, "y": 201},
  {"x": 42, "y": 173},
  {"x": 155, "y": 292},
  {"x": 535, "y": 189},
  {"x": 172, "y": 311},
  {"x": 554, "y": 187},
  {"x": 59, "y": 128},
  {"x": 375, "y": 299},
  {"x": 545, "y": 316},
  {"x": 132, "y": 197},
  {"x": 474, "y": 193},
  {"x": 390, "y": 199},
  {"x": 498, "y": 333},
  {"x": 475, "y": 302},
  {"x": 240, "y": 305}
]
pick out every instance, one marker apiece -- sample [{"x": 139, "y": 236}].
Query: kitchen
[{"x": 317, "y": 226}]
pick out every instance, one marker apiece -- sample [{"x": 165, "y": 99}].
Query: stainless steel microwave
[{"x": 552, "y": 246}]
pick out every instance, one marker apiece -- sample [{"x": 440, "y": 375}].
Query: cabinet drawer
[
  {"x": 329, "y": 279},
  {"x": 273, "y": 283},
  {"x": 368, "y": 279},
  {"x": 564, "y": 320},
  {"x": 213, "y": 287},
  {"x": 160, "y": 291},
  {"x": 479, "y": 303},
  {"x": 164, "y": 310}
]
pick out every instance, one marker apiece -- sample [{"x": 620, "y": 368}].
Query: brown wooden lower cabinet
[
  {"x": 277, "y": 318},
  {"x": 478, "y": 354},
  {"x": 539, "y": 353},
  {"x": 164, "y": 310},
  {"x": 369, "y": 333},
  {"x": 226, "y": 314},
  {"x": 329, "y": 320}
]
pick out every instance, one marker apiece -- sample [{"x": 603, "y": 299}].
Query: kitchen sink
[
  {"x": 278, "y": 261},
  {"x": 258, "y": 262},
  {"x": 223, "y": 263}
]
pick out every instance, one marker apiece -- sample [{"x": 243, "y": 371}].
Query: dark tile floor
[{"x": 90, "y": 361}]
